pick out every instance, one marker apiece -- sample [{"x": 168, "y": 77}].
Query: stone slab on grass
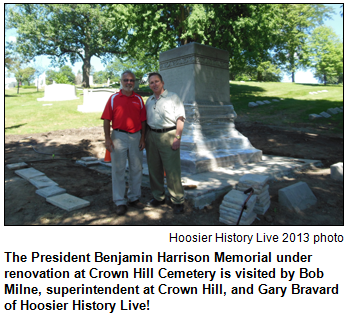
[
  {"x": 50, "y": 191},
  {"x": 68, "y": 202},
  {"x": 314, "y": 116},
  {"x": 332, "y": 111},
  {"x": 324, "y": 114},
  {"x": 275, "y": 100},
  {"x": 42, "y": 182},
  {"x": 252, "y": 104},
  {"x": 267, "y": 102},
  {"x": 260, "y": 102},
  {"x": 336, "y": 171},
  {"x": 15, "y": 166},
  {"x": 296, "y": 197},
  {"x": 29, "y": 173}
]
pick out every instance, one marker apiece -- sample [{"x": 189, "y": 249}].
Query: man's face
[
  {"x": 128, "y": 82},
  {"x": 156, "y": 85}
]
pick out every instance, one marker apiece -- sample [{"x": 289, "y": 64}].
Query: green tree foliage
[
  {"x": 296, "y": 22},
  {"x": 70, "y": 31},
  {"x": 269, "y": 72},
  {"x": 21, "y": 72},
  {"x": 326, "y": 55},
  {"x": 63, "y": 76}
]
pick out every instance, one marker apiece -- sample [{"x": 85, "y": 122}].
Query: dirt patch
[{"x": 55, "y": 154}]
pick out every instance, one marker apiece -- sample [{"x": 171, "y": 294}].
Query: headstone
[
  {"x": 260, "y": 102},
  {"x": 296, "y": 197},
  {"x": 252, "y": 104},
  {"x": 314, "y": 116},
  {"x": 50, "y": 191},
  {"x": 267, "y": 102},
  {"x": 68, "y": 202},
  {"x": 94, "y": 100},
  {"x": 91, "y": 80},
  {"x": 199, "y": 74},
  {"x": 338, "y": 110},
  {"x": 59, "y": 92},
  {"x": 324, "y": 114},
  {"x": 336, "y": 171},
  {"x": 275, "y": 100}
]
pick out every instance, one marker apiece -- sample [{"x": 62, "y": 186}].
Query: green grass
[
  {"x": 25, "y": 115},
  {"x": 295, "y": 106}
]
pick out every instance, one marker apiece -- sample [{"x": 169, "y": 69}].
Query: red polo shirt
[{"x": 125, "y": 112}]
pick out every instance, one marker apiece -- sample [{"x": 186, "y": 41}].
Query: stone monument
[
  {"x": 59, "y": 92},
  {"x": 94, "y": 100},
  {"x": 199, "y": 74}
]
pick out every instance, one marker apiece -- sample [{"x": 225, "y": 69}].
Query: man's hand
[
  {"x": 142, "y": 144},
  {"x": 109, "y": 144},
  {"x": 176, "y": 144}
]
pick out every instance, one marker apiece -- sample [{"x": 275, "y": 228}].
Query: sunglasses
[{"x": 128, "y": 80}]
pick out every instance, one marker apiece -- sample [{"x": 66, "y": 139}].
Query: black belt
[
  {"x": 124, "y": 131},
  {"x": 162, "y": 130}
]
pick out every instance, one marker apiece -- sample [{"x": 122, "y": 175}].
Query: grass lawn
[
  {"x": 295, "y": 107},
  {"x": 24, "y": 114}
]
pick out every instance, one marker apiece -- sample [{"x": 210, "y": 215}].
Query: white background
[{"x": 328, "y": 257}]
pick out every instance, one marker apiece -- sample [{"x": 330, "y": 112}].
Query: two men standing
[{"x": 165, "y": 121}]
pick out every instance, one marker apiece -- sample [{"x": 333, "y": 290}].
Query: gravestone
[
  {"x": 59, "y": 92},
  {"x": 94, "y": 100},
  {"x": 199, "y": 74}
]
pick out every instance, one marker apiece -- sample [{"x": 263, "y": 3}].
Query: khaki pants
[{"x": 160, "y": 157}]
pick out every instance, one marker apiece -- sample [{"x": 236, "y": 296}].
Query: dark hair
[{"x": 155, "y": 73}]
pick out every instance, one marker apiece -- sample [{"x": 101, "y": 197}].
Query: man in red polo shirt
[{"x": 127, "y": 113}]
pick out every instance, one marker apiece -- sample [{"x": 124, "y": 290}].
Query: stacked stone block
[
  {"x": 231, "y": 207},
  {"x": 261, "y": 190}
]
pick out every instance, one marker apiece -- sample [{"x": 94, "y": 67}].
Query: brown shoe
[
  {"x": 121, "y": 209},
  {"x": 137, "y": 204}
]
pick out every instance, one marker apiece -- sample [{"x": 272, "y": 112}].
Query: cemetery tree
[
  {"x": 296, "y": 22},
  {"x": 246, "y": 31},
  {"x": 21, "y": 72},
  {"x": 70, "y": 31},
  {"x": 66, "y": 70},
  {"x": 326, "y": 55}
]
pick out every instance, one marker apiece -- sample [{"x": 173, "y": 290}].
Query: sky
[{"x": 300, "y": 77}]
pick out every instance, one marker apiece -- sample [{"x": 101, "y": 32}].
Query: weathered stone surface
[
  {"x": 296, "y": 197},
  {"x": 332, "y": 111},
  {"x": 50, "y": 191},
  {"x": 210, "y": 139},
  {"x": 94, "y": 100},
  {"x": 266, "y": 102},
  {"x": 68, "y": 202},
  {"x": 260, "y": 102},
  {"x": 58, "y": 92},
  {"x": 42, "y": 182},
  {"x": 15, "y": 166},
  {"x": 256, "y": 191},
  {"x": 252, "y": 104},
  {"x": 253, "y": 180},
  {"x": 338, "y": 110},
  {"x": 324, "y": 114},
  {"x": 87, "y": 163},
  {"x": 314, "y": 116},
  {"x": 275, "y": 100},
  {"x": 89, "y": 158},
  {"x": 336, "y": 171},
  {"x": 29, "y": 173}
]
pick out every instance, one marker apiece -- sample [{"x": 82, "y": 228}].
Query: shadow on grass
[
  {"x": 245, "y": 90},
  {"x": 14, "y": 127}
]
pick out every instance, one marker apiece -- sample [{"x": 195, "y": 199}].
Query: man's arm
[
  {"x": 179, "y": 129},
  {"x": 107, "y": 130},
  {"x": 142, "y": 144}
]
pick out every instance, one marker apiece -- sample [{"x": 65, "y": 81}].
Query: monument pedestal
[{"x": 199, "y": 74}]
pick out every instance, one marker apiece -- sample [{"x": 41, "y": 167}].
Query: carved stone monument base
[{"x": 199, "y": 74}]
